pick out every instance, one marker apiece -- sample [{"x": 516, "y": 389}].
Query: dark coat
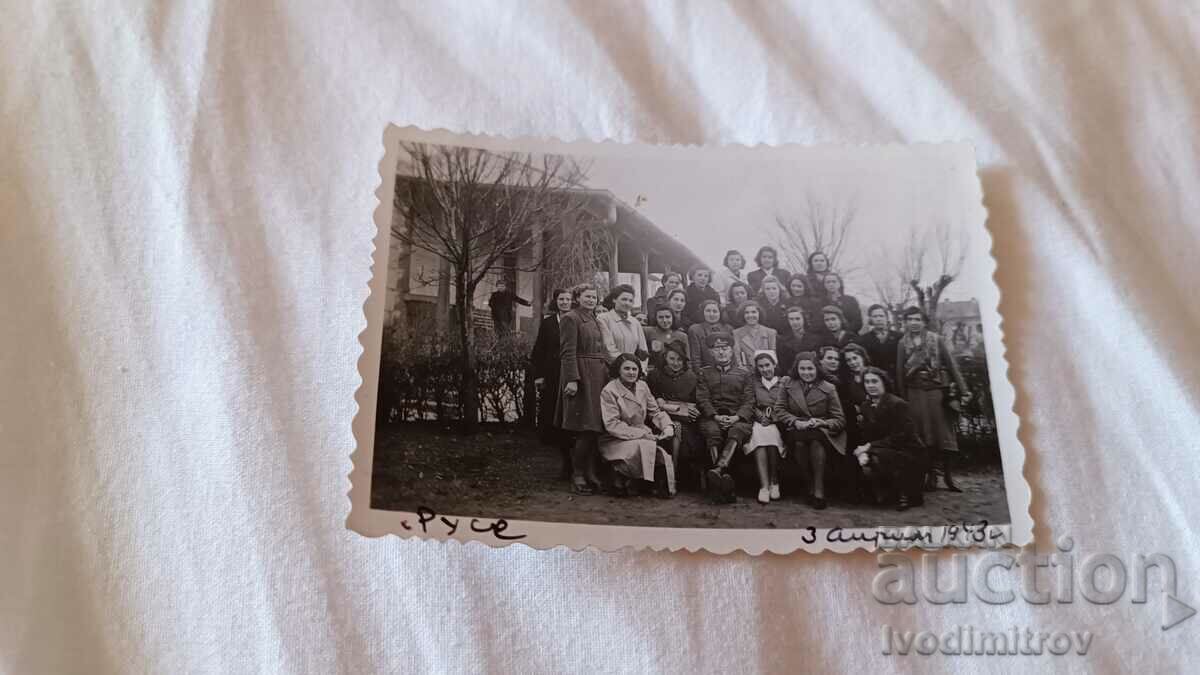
[
  {"x": 888, "y": 424},
  {"x": 881, "y": 352},
  {"x": 774, "y": 316},
  {"x": 852, "y": 394},
  {"x": 849, "y": 305},
  {"x": 679, "y": 386},
  {"x": 789, "y": 346},
  {"x": 722, "y": 391},
  {"x": 501, "y": 305},
  {"x": 820, "y": 402},
  {"x": 695, "y": 299},
  {"x": 582, "y": 359},
  {"x": 812, "y": 311},
  {"x": 756, "y": 277},
  {"x": 827, "y": 338},
  {"x": 545, "y": 362}
]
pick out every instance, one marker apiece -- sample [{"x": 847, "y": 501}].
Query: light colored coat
[{"x": 626, "y": 434}]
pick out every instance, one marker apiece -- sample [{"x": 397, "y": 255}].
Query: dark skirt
[{"x": 935, "y": 425}]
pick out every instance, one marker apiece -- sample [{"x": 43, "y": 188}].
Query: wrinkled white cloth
[{"x": 185, "y": 234}]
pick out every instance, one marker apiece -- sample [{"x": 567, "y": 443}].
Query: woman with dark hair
[
  {"x": 546, "y": 365},
  {"x": 818, "y": 267},
  {"x": 852, "y": 393},
  {"x": 674, "y": 388},
  {"x": 629, "y": 444},
  {"x": 797, "y": 338},
  {"x": 835, "y": 327},
  {"x": 671, "y": 281},
  {"x": 925, "y": 372},
  {"x": 739, "y": 294},
  {"x": 772, "y": 302},
  {"x": 799, "y": 295},
  {"x": 829, "y": 364},
  {"x": 731, "y": 271},
  {"x": 622, "y": 331},
  {"x": 809, "y": 412},
  {"x": 698, "y": 334},
  {"x": 880, "y": 341},
  {"x": 582, "y": 357},
  {"x": 835, "y": 296},
  {"x": 889, "y": 450},
  {"x": 751, "y": 337},
  {"x": 765, "y": 444},
  {"x": 677, "y": 301},
  {"x": 661, "y": 333},
  {"x": 698, "y": 292},
  {"x": 767, "y": 260}
]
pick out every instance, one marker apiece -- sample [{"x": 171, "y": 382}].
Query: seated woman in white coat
[{"x": 628, "y": 443}]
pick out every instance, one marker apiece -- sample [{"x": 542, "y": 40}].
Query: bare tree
[
  {"x": 931, "y": 259},
  {"x": 576, "y": 252},
  {"x": 473, "y": 209},
  {"x": 823, "y": 226}
]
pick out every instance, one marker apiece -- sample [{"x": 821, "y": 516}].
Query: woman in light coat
[{"x": 629, "y": 444}]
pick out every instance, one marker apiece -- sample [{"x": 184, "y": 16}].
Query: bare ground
[{"x": 507, "y": 473}]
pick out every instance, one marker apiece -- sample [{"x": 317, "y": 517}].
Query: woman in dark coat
[
  {"x": 674, "y": 388},
  {"x": 852, "y": 393},
  {"x": 699, "y": 292},
  {"x": 889, "y": 449},
  {"x": 811, "y": 416},
  {"x": 739, "y": 294},
  {"x": 797, "y": 338},
  {"x": 677, "y": 301},
  {"x": 835, "y": 295},
  {"x": 772, "y": 302},
  {"x": 767, "y": 260},
  {"x": 546, "y": 363},
  {"x": 835, "y": 327},
  {"x": 818, "y": 267},
  {"x": 582, "y": 356},
  {"x": 670, "y": 281},
  {"x": 800, "y": 295},
  {"x": 925, "y": 371},
  {"x": 880, "y": 341}
]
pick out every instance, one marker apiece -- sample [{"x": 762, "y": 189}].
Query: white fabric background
[{"x": 185, "y": 225}]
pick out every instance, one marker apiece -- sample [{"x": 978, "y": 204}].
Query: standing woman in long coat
[
  {"x": 925, "y": 370},
  {"x": 582, "y": 356},
  {"x": 546, "y": 364}
]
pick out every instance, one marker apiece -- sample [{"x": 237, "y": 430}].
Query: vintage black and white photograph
[{"x": 720, "y": 343}]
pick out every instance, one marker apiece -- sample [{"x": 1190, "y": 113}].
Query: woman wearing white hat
[{"x": 766, "y": 443}]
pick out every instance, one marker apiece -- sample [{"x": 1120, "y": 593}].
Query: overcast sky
[{"x": 713, "y": 205}]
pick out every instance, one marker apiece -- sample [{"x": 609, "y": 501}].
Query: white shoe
[
  {"x": 774, "y": 492},
  {"x": 764, "y": 496}
]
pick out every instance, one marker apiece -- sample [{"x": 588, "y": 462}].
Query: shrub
[{"x": 419, "y": 377}]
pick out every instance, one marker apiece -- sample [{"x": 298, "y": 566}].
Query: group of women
[{"x": 765, "y": 366}]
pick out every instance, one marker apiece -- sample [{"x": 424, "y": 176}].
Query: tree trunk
[{"x": 468, "y": 378}]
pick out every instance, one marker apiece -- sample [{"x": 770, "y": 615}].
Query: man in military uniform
[{"x": 725, "y": 418}]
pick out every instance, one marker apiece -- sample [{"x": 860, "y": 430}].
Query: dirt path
[{"x": 507, "y": 473}]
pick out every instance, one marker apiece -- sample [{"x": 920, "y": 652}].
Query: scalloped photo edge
[{"x": 425, "y": 519}]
